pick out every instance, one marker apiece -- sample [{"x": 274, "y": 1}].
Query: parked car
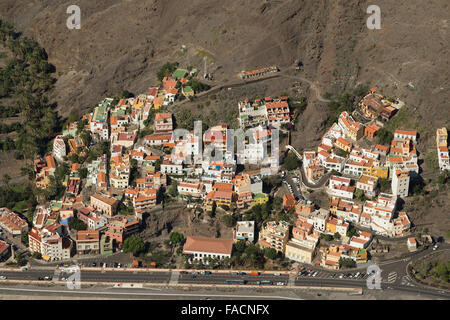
[
  {"x": 40, "y": 278},
  {"x": 206, "y": 272},
  {"x": 3, "y": 278},
  {"x": 94, "y": 264},
  {"x": 280, "y": 283},
  {"x": 242, "y": 273},
  {"x": 47, "y": 278},
  {"x": 341, "y": 276},
  {"x": 277, "y": 274}
]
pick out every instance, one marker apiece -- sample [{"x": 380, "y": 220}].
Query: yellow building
[
  {"x": 379, "y": 172},
  {"x": 343, "y": 144},
  {"x": 158, "y": 102},
  {"x": 221, "y": 198},
  {"x": 441, "y": 137},
  {"x": 298, "y": 252},
  {"x": 330, "y": 226}
]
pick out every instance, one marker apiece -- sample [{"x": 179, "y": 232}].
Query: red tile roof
[{"x": 205, "y": 244}]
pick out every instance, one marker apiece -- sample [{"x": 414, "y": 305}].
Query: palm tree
[{"x": 6, "y": 179}]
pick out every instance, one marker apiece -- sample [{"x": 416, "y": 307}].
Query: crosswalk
[
  {"x": 328, "y": 275},
  {"x": 392, "y": 277},
  {"x": 56, "y": 274},
  {"x": 406, "y": 281},
  {"x": 174, "y": 277}
]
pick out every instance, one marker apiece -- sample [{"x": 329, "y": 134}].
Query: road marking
[
  {"x": 152, "y": 294},
  {"x": 174, "y": 277},
  {"x": 392, "y": 277},
  {"x": 56, "y": 274},
  {"x": 291, "y": 282}
]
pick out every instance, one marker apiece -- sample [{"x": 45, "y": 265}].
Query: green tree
[
  {"x": 384, "y": 136},
  {"x": 270, "y": 253},
  {"x": 77, "y": 224},
  {"x": 24, "y": 238},
  {"x": 176, "y": 237},
  {"x": 6, "y": 179},
  {"x": 83, "y": 172},
  {"x": 173, "y": 190},
  {"x": 228, "y": 220},
  {"x": 291, "y": 161},
  {"x": 352, "y": 232},
  {"x": 360, "y": 195},
  {"x": 166, "y": 70},
  {"x": 347, "y": 262},
  {"x": 134, "y": 245},
  {"x": 240, "y": 246}
]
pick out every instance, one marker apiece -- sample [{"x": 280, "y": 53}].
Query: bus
[
  {"x": 264, "y": 282},
  {"x": 236, "y": 281}
]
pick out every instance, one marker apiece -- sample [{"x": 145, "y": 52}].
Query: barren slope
[{"x": 112, "y": 51}]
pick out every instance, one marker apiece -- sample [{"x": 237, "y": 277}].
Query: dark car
[
  {"x": 183, "y": 272},
  {"x": 40, "y": 278},
  {"x": 94, "y": 264},
  {"x": 116, "y": 264},
  {"x": 242, "y": 273}
]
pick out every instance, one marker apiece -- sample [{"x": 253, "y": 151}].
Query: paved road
[
  {"x": 394, "y": 277},
  {"x": 296, "y": 191}
]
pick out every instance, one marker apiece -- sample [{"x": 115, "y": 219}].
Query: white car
[
  {"x": 280, "y": 283},
  {"x": 3, "y": 278},
  {"x": 341, "y": 276},
  {"x": 277, "y": 274}
]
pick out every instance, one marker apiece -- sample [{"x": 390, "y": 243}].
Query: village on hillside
[{"x": 125, "y": 158}]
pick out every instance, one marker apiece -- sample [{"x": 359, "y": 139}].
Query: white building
[
  {"x": 405, "y": 134},
  {"x": 400, "y": 183},
  {"x": 319, "y": 219},
  {"x": 245, "y": 230},
  {"x": 168, "y": 167},
  {"x": 201, "y": 248},
  {"x": 340, "y": 187},
  {"x": 59, "y": 148},
  {"x": 367, "y": 184},
  {"x": 194, "y": 190}
]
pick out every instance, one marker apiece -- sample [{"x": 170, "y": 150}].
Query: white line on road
[{"x": 152, "y": 294}]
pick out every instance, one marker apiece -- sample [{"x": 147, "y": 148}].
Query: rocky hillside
[{"x": 122, "y": 43}]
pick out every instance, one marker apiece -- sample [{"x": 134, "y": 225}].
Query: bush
[
  {"x": 134, "y": 245},
  {"x": 290, "y": 162},
  {"x": 77, "y": 224},
  {"x": 176, "y": 237}
]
